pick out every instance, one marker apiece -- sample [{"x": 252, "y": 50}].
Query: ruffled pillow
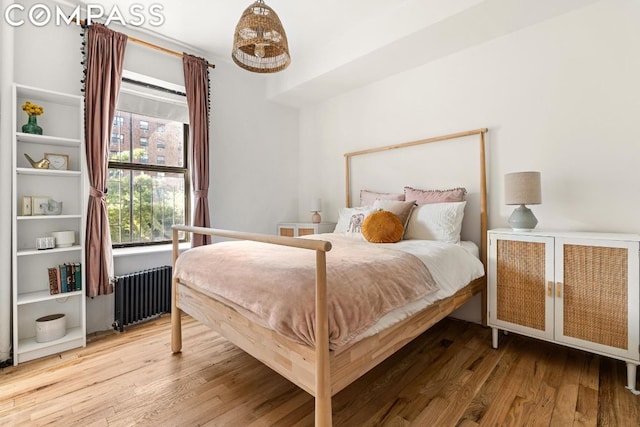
[
  {"x": 367, "y": 197},
  {"x": 423, "y": 197}
]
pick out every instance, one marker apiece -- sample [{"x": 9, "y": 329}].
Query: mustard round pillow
[{"x": 382, "y": 227}]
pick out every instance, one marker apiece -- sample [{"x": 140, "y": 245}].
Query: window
[
  {"x": 160, "y": 144},
  {"x": 148, "y": 193},
  {"x": 160, "y": 128},
  {"x": 118, "y": 121},
  {"x": 117, "y": 138}
]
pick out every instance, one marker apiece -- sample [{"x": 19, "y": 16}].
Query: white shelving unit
[{"x": 63, "y": 133}]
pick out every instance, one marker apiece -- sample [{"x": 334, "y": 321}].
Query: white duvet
[{"x": 452, "y": 266}]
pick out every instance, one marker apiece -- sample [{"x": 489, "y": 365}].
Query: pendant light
[{"x": 260, "y": 43}]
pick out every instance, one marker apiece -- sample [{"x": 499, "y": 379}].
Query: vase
[{"x": 32, "y": 126}]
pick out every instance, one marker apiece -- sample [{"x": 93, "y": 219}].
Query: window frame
[{"x": 143, "y": 167}]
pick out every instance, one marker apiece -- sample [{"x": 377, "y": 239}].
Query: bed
[{"x": 314, "y": 353}]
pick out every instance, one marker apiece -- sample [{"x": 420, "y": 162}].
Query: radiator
[{"x": 141, "y": 296}]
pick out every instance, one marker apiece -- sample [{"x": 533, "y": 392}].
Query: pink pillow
[
  {"x": 425, "y": 197},
  {"x": 367, "y": 198}
]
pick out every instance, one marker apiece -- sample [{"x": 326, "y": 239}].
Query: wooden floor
[{"x": 449, "y": 376}]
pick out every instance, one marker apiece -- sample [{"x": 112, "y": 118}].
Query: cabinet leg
[
  {"x": 631, "y": 378},
  {"x": 494, "y": 337}
]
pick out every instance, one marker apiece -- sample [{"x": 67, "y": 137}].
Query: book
[
  {"x": 78, "y": 277},
  {"x": 70, "y": 277},
  {"x": 63, "y": 278},
  {"x": 58, "y": 280},
  {"x": 53, "y": 281},
  {"x": 71, "y": 267}
]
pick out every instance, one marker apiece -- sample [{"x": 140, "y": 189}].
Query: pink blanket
[{"x": 275, "y": 285}]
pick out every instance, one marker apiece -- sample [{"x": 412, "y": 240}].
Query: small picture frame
[
  {"x": 36, "y": 202},
  {"x": 25, "y": 206},
  {"x": 57, "y": 161}
]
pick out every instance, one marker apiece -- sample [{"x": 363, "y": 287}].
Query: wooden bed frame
[{"x": 320, "y": 371}]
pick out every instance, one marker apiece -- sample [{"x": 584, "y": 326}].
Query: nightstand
[
  {"x": 576, "y": 289},
  {"x": 297, "y": 229}
]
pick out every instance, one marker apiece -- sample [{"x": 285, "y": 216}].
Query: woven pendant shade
[{"x": 260, "y": 43}]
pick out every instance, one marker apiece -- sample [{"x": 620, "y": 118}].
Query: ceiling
[{"x": 339, "y": 45}]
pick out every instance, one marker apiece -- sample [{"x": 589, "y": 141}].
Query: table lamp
[
  {"x": 522, "y": 188},
  {"x": 316, "y": 206}
]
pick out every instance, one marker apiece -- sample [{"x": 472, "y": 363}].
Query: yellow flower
[{"x": 32, "y": 109}]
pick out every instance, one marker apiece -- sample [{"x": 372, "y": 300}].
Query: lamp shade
[
  {"x": 522, "y": 188},
  {"x": 316, "y": 205},
  {"x": 260, "y": 43}
]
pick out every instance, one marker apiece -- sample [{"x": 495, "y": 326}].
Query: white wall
[
  {"x": 253, "y": 141},
  {"x": 560, "y": 97}
]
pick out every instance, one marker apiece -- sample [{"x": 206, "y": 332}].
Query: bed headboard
[{"x": 452, "y": 163}]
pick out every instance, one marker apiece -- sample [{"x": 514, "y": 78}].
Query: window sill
[{"x": 147, "y": 250}]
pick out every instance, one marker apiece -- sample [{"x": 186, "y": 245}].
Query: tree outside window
[{"x": 147, "y": 192}]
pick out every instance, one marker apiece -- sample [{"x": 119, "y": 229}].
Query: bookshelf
[{"x": 63, "y": 134}]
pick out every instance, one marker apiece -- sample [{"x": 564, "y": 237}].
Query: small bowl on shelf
[
  {"x": 64, "y": 239},
  {"x": 45, "y": 243}
]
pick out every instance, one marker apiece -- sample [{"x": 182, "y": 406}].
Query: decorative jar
[{"x": 32, "y": 125}]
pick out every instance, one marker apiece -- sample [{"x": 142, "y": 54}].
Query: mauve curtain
[
  {"x": 104, "y": 59},
  {"x": 196, "y": 79}
]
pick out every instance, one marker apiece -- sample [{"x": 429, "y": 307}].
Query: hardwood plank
[
  {"x": 525, "y": 408},
  {"x": 544, "y": 403},
  {"x": 350, "y": 405},
  {"x": 449, "y": 375},
  {"x": 587, "y": 405},
  {"x": 489, "y": 390},
  {"x": 525, "y": 375},
  {"x": 616, "y": 407},
  {"x": 567, "y": 396},
  {"x": 501, "y": 406},
  {"x": 480, "y": 369}
]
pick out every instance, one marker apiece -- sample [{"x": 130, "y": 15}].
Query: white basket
[{"x": 51, "y": 327}]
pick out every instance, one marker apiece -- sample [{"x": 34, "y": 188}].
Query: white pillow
[
  {"x": 349, "y": 219},
  {"x": 436, "y": 221}
]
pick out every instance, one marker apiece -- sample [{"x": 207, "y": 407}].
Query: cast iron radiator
[{"x": 141, "y": 296}]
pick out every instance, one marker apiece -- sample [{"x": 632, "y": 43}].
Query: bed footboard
[{"x": 322, "y": 379}]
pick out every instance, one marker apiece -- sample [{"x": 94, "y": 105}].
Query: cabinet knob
[
  {"x": 559, "y": 289},
  {"x": 550, "y": 288}
]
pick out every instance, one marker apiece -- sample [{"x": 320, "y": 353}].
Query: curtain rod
[{"x": 150, "y": 45}]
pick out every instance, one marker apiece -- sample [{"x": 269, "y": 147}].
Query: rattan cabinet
[
  {"x": 297, "y": 229},
  {"x": 574, "y": 289}
]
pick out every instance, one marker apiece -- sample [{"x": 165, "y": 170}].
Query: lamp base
[
  {"x": 522, "y": 219},
  {"x": 315, "y": 218}
]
